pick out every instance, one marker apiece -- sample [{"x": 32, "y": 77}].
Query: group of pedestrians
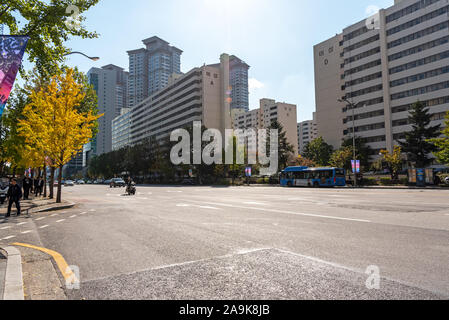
[{"x": 15, "y": 192}]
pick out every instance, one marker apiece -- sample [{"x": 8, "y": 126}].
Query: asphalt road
[{"x": 248, "y": 242}]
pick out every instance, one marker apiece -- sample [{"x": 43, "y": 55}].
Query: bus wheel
[{"x": 289, "y": 184}]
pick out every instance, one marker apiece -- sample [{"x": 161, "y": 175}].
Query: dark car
[
  {"x": 188, "y": 182},
  {"x": 117, "y": 183}
]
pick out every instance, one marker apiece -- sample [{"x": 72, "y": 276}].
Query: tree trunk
[
  {"x": 58, "y": 195},
  {"x": 44, "y": 172},
  {"x": 52, "y": 182}
]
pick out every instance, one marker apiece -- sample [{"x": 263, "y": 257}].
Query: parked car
[
  {"x": 189, "y": 182},
  {"x": 69, "y": 183},
  {"x": 89, "y": 182},
  {"x": 107, "y": 182},
  {"x": 117, "y": 183},
  {"x": 446, "y": 180},
  {"x": 80, "y": 182},
  {"x": 4, "y": 187}
]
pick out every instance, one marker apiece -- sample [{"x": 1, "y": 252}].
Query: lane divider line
[
  {"x": 59, "y": 221},
  {"x": 64, "y": 268},
  {"x": 43, "y": 227}
]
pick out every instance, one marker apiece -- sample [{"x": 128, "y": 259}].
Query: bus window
[{"x": 340, "y": 173}]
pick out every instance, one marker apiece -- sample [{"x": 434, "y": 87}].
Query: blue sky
[{"x": 275, "y": 37}]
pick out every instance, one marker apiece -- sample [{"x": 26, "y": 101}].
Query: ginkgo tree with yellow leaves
[{"x": 54, "y": 123}]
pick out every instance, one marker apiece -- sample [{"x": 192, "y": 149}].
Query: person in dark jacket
[
  {"x": 39, "y": 187},
  {"x": 27, "y": 184},
  {"x": 14, "y": 196}
]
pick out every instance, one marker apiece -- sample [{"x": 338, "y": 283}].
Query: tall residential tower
[{"x": 150, "y": 68}]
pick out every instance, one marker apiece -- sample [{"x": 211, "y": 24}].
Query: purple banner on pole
[{"x": 12, "y": 49}]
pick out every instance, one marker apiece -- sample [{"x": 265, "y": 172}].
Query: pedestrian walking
[
  {"x": 40, "y": 186},
  {"x": 27, "y": 184},
  {"x": 14, "y": 196}
]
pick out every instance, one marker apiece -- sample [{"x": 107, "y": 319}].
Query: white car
[
  {"x": 80, "y": 182},
  {"x": 69, "y": 183},
  {"x": 446, "y": 180}
]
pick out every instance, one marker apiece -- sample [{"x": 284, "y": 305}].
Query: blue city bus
[{"x": 313, "y": 177}]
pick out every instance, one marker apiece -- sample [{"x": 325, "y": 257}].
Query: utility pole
[{"x": 353, "y": 106}]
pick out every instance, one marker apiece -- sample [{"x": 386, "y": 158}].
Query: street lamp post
[
  {"x": 353, "y": 106},
  {"x": 77, "y": 52}
]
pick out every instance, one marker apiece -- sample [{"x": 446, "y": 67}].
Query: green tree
[
  {"x": 442, "y": 143},
  {"x": 342, "y": 158},
  {"x": 318, "y": 151},
  {"x": 49, "y": 26},
  {"x": 416, "y": 144},
  {"x": 363, "y": 151},
  {"x": 393, "y": 161}
]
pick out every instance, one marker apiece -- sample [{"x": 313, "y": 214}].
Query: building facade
[
  {"x": 307, "y": 132},
  {"x": 270, "y": 111},
  {"x": 110, "y": 83},
  {"x": 238, "y": 81},
  {"x": 385, "y": 64},
  {"x": 150, "y": 68},
  {"x": 199, "y": 95},
  {"x": 121, "y": 127}
]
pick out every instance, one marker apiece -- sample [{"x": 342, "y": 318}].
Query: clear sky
[{"x": 275, "y": 37}]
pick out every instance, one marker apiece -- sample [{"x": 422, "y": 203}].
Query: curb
[
  {"x": 13, "y": 278},
  {"x": 56, "y": 208}
]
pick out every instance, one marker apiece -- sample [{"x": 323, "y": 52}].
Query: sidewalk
[{"x": 37, "y": 205}]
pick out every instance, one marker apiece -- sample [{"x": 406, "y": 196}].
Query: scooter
[{"x": 131, "y": 190}]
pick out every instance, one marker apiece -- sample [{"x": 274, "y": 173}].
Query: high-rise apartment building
[
  {"x": 239, "y": 85},
  {"x": 150, "y": 68},
  {"x": 199, "y": 95},
  {"x": 270, "y": 111},
  {"x": 110, "y": 83},
  {"x": 383, "y": 65},
  {"x": 307, "y": 132},
  {"x": 121, "y": 127}
]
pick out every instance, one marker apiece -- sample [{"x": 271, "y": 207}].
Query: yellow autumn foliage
[{"x": 52, "y": 125}]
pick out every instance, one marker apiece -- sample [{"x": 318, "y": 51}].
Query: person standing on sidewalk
[
  {"x": 14, "y": 196},
  {"x": 27, "y": 184}
]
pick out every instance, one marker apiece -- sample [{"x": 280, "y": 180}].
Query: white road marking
[
  {"x": 150, "y": 192},
  {"x": 39, "y": 219},
  {"x": 183, "y": 205},
  {"x": 83, "y": 213},
  {"x": 54, "y": 215},
  {"x": 207, "y": 207},
  {"x": 22, "y": 223},
  {"x": 43, "y": 227},
  {"x": 4, "y": 228},
  {"x": 92, "y": 210},
  {"x": 74, "y": 216},
  {"x": 9, "y": 237},
  {"x": 286, "y": 212},
  {"x": 174, "y": 191},
  {"x": 254, "y": 203},
  {"x": 59, "y": 221},
  {"x": 25, "y": 232}
]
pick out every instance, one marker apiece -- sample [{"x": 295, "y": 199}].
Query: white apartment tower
[
  {"x": 383, "y": 65},
  {"x": 307, "y": 132}
]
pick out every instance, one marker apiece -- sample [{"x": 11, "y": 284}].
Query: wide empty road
[{"x": 248, "y": 242}]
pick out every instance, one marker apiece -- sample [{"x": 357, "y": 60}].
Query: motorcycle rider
[{"x": 129, "y": 185}]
